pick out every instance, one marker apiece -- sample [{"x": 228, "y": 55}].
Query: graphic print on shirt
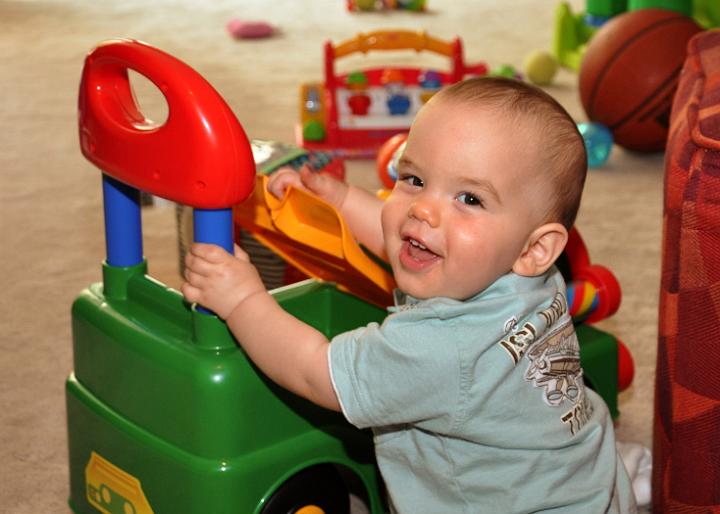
[
  {"x": 557, "y": 308},
  {"x": 519, "y": 341},
  {"x": 555, "y": 365},
  {"x": 577, "y": 416}
]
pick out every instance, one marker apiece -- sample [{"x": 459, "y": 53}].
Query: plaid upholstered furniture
[{"x": 686, "y": 466}]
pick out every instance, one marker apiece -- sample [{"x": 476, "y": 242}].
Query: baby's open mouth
[{"x": 417, "y": 251}]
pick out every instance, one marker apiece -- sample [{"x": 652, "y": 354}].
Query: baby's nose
[{"x": 423, "y": 209}]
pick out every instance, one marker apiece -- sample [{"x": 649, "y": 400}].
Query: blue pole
[
  {"x": 123, "y": 229},
  {"x": 213, "y": 226}
]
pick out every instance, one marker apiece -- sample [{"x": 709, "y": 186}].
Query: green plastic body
[{"x": 164, "y": 393}]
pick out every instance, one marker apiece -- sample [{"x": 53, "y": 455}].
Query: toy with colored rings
[{"x": 387, "y": 159}]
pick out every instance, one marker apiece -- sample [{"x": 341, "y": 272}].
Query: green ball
[{"x": 540, "y": 67}]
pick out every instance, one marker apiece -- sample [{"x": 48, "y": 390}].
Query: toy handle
[
  {"x": 393, "y": 40},
  {"x": 199, "y": 157}
]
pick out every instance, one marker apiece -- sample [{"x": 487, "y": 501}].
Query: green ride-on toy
[{"x": 166, "y": 414}]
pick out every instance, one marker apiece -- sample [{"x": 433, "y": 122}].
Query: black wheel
[{"x": 316, "y": 490}]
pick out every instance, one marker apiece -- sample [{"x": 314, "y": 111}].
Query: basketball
[{"x": 629, "y": 75}]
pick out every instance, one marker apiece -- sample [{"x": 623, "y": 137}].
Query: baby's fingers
[
  {"x": 190, "y": 292},
  {"x": 193, "y": 277},
  {"x": 326, "y": 187},
  {"x": 209, "y": 252},
  {"x": 195, "y": 264},
  {"x": 241, "y": 254},
  {"x": 281, "y": 180}
]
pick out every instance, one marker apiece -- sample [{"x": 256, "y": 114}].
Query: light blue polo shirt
[{"x": 479, "y": 405}]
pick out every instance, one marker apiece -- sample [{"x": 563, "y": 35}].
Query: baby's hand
[
  {"x": 282, "y": 179},
  {"x": 217, "y": 280},
  {"x": 326, "y": 187}
]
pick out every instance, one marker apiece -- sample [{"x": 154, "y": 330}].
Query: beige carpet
[{"x": 51, "y": 240}]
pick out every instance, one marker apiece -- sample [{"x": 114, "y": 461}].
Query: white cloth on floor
[{"x": 638, "y": 462}]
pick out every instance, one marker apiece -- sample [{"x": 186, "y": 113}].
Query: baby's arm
[
  {"x": 360, "y": 209},
  {"x": 290, "y": 352}
]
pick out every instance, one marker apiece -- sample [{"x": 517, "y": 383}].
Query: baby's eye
[
  {"x": 411, "y": 180},
  {"x": 470, "y": 199}
]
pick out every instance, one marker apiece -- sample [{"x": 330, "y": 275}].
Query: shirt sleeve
[{"x": 396, "y": 373}]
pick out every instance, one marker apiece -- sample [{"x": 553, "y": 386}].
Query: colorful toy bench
[
  {"x": 354, "y": 113},
  {"x": 165, "y": 412}
]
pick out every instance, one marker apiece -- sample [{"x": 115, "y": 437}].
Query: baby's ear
[{"x": 543, "y": 247}]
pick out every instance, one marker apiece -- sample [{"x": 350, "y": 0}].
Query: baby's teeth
[{"x": 415, "y": 243}]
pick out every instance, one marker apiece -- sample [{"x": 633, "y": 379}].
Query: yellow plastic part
[
  {"x": 393, "y": 40},
  {"x": 311, "y": 235},
  {"x": 310, "y": 509},
  {"x": 111, "y": 490}
]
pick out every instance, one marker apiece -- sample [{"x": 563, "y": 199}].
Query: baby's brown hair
[{"x": 565, "y": 156}]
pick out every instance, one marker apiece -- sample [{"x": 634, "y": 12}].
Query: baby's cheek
[{"x": 385, "y": 218}]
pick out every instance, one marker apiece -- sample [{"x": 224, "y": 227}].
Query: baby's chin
[
  {"x": 412, "y": 289},
  {"x": 423, "y": 291},
  {"x": 424, "y": 286}
]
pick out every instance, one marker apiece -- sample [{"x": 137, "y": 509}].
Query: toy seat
[{"x": 686, "y": 467}]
